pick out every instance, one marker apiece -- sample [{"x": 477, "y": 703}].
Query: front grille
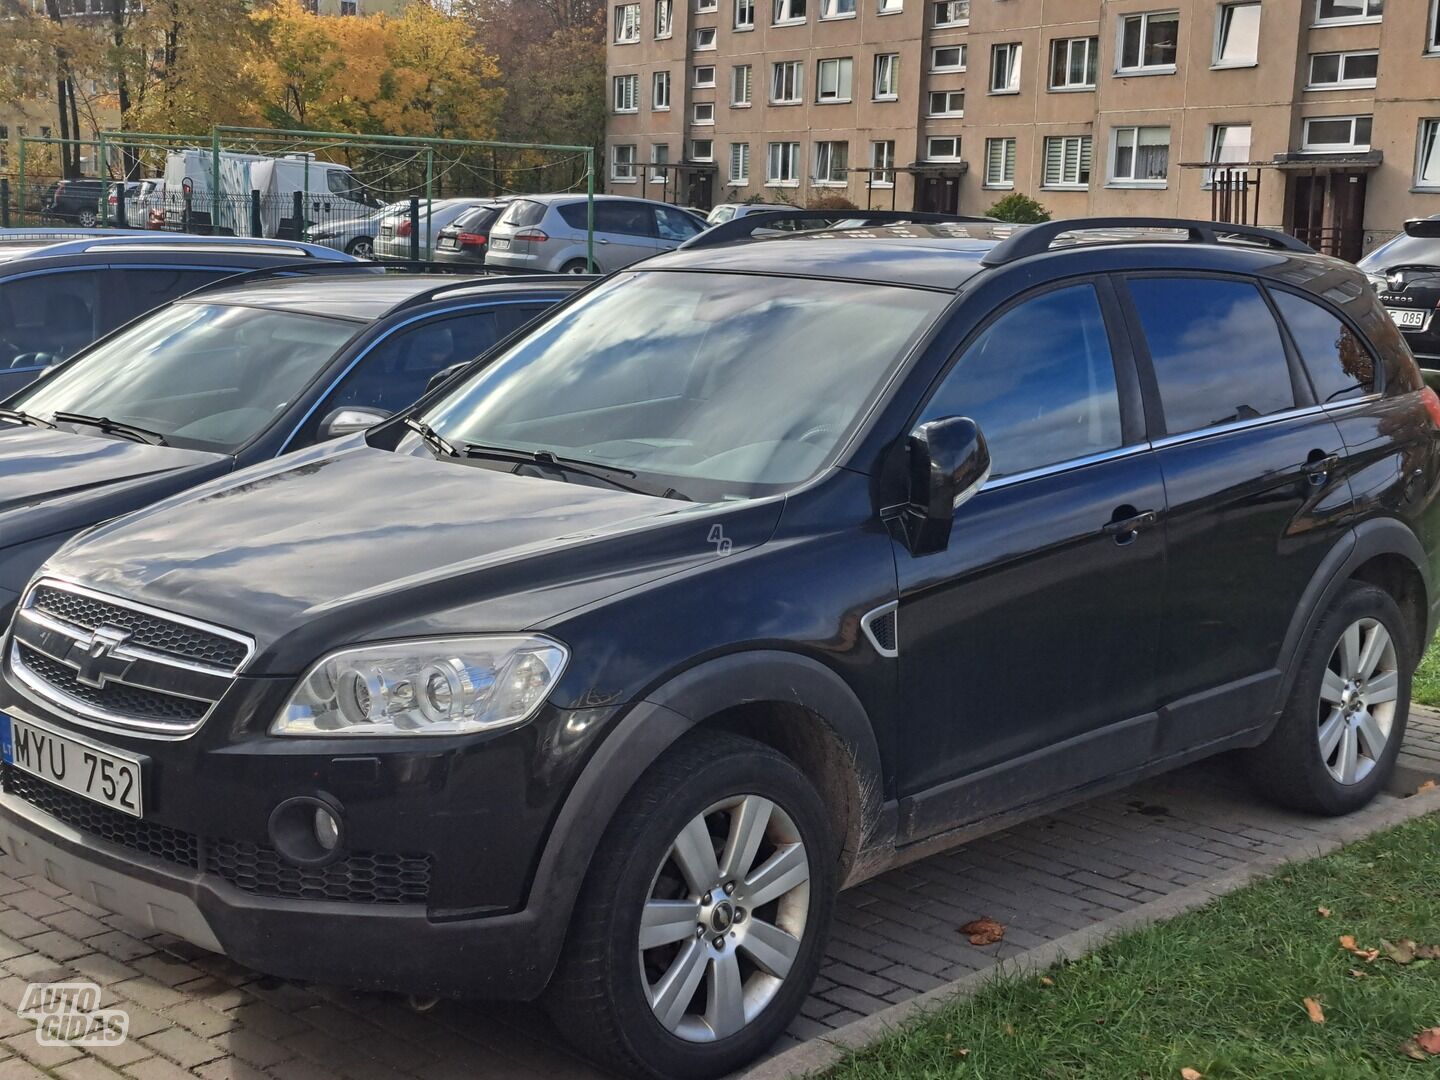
[
  {"x": 172, "y": 638},
  {"x": 117, "y": 698},
  {"x": 359, "y": 878}
]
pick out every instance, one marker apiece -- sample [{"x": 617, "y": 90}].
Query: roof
[{"x": 54, "y": 243}]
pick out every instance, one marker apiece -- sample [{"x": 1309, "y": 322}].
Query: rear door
[
  {"x": 625, "y": 233},
  {"x": 1254, "y": 479}
]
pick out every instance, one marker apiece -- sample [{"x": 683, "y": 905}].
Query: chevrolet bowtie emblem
[{"x": 95, "y": 657}]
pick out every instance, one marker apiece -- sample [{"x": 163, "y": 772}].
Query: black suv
[
  {"x": 75, "y": 201},
  {"x": 744, "y": 575},
  {"x": 1406, "y": 273},
  {"x": 235, "y": 374},
  {"x": 60, "y": 292}
]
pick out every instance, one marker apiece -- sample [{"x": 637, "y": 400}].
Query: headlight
[{"x": 446, "y": 686}]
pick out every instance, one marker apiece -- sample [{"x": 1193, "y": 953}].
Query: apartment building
[{"x": 1318, "y": 116}]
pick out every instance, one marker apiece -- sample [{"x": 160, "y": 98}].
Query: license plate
[
  {"x": 446, "y": 242},
  {"x": 499, "y": 244},
  {"x": 101, "y": 775},
  {"x": 1411, "y": 320}
]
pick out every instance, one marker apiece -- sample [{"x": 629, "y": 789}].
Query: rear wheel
[
  {"x": 1336, "y": 743},
  {"x": 362, "y": 247},
  {"x": 702, "y": 921},
  {"x": 88, "y": 218},
  {"x": 575, "y": 266}
]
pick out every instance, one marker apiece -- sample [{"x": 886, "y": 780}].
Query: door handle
[
  {"x": 1318, "y": 468},
  {"x": 1124, "y": 530}
]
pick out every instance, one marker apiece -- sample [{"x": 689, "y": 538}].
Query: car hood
[{"x": 350, "y": 543}]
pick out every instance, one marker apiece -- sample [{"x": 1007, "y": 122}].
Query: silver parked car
[
  {"x": 356, "y": 235},
  {"x": 393, "y": 239},
  {"x": 547, "y": 233}
]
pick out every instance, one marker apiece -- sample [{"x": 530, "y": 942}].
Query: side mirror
[
  {"x": 348, "y": 421},
  {"x": 1426, "y": 228},
  {"x": 444, "y": 375},
  {"x": 949, "y": 461}
]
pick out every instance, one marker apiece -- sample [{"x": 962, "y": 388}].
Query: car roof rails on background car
[
  {"x": 744, "y": 228},
  {"x": 1038, "y": 239},
  {"x": 78, "y": 242}
]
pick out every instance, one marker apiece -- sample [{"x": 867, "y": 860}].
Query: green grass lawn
[
  {"x": 1427, "y": 678},
  {"x": 1221, "y": 990}
]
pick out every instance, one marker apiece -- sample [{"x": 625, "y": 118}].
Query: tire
[
  {"x": 686, "y": 806},
  {"x": 1335, "y": 745},
  {"x": 87, "y": 218},
  {"x": 362, "y": 247},
  {"x": 576, "y": 266}
]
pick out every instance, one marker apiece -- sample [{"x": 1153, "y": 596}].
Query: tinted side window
[
  {"x": 47, "y": 317},
  {"x": 138, "y": 291},
  {"x": 1217, "y": 351},
  {"x": 576, "y": 216},
  {"x": 629, "y": 219},
  {"x": 1340, "y": 366},
  {"x": 1040, "y": 382},
  {"x": 675, "y": 225}
]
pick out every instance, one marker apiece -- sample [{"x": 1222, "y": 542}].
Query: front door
[
  {"x": 701, "y": 185},
  {"x": 938, "y": 195},
  {"x": 625, "y": 232},
  {"x": 1327, "y": 211},
  {"x": 1028, "y": 647}
]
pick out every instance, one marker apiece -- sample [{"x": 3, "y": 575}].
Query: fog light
[
  {"x": 308, "y": 831},
  {"x": 327, "y": 829}
]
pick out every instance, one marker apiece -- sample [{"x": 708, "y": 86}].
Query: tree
[{"x": 1020, "y": 209}]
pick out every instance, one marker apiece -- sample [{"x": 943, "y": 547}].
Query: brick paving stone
[{"x": 86, "y": 1068}]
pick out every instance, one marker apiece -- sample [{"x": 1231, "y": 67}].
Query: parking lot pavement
[{"x": 193, "y": 1014}]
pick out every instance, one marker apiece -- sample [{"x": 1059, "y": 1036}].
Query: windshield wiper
[
  {"x": 433, "y": 438},
  {"x": 113, "y": 427},
  {"x": 549, "y": 459},
  {"x": 24, "y": 418}
]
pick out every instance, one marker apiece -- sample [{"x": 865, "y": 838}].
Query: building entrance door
[
  {"x": 1327, "y": 211},
  {"x": 938, "y": 195}
]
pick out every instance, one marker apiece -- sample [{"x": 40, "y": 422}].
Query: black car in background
[
  {"x": 749, "y": 573},
  {"x": 228, "y": 377},
  {"x": 465, "y": 240},
  {"x": 58, "y": 293},
  {"x": 1406, "y": 273},
  {"x": 75, "y": 201}
]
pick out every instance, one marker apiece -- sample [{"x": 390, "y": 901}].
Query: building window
[
  {"x": 837, "y": 9},
  {"x": 1237, "y": 35},
  {"x": 664, "y": 18},
  {"x": 1140, "y": 155},
  {"x": 1332, "y": 133},
  {"x": 887, "y": 76},
  {"x": 948, "y": 58},
  {"x": 627, "y": 93},
  {"x": 702, "y": 149},
  {"x": 782, "y": 165},
  {"x": 947, "y": 103},
  {"x": 1073, "y": 63},
  {"x": 789, "y": 11},
  {"x": 1427, "y": 167},
  {"x": 1005, "y": 68},
  {"x": 950, "y": 12},
  {"x": 349, "y": 7},
  {"x": 704, "y": 114},
  {"x": 704, "y": 38},
  {"x": 740, "y": 163},
  {"x": 1229, "y": 145},
  {"x": 787, "y": 83},
  {"x": 622, "y": 163},
  {"x": 1067, "y": 161},
  {"x": 660, "y": 92},
  {"x": 1340, "y": 69},
  {"x": 704, "y": 77},
  {"x": 627, "y": 25},
  {"x": 659, "y": 155},
  {"x": 889, "y": 7},
  {"x": 832, "y": 163},
  {"x": 834, "y": 79},
  {"x": 1432, "y": 42},
  {"x": 1149, "y": 42},
  {"x": 1000, "y": 163},
  {"x": 943, "y": 148},
  {"x": 1348, "y": 11},
  {"x": 882, "y": 161},
  {"x": 707, "y": 5},
  {"x": 744, "y": 14},
  {"x": 740, "y": 85}
]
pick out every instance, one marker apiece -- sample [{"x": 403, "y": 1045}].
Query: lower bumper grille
[{"x": 359, "y": 878}]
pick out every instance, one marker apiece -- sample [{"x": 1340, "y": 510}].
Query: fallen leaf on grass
[
  {"x": 1411, "y": 1049},
  {"x": 1356, "y": 973},
  {"x": 1429, "y": 1040},
  {"x": 1324, "y": 912},
  {"x": 1402, "y": 952},
  {"x": 1188, "y": 1073},
  {"x": 960, "y": 1052},
  {"x": 1045, "y": 980},
  {"x": 983, "y": 931},
  {"x": 1347, "y": 942},
  {"x": 1314, "y": 1011}
]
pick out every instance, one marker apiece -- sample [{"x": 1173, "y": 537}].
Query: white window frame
[
  {"x": 889, "y": 7},
  {"x": 882, "y": 156},
  {"x": 702, "y": 6},
  {"x": 797, "y": 91},
  {"x": 948, "y": 111},
  {"x": 1079, "y": 149},
  {"x": 783, "y": 14},
  {"x": 1371, "y": 15},
  {"x": 616, "y": 176},
  {"x": 825, "y": 148},
  {"x": 790, "y": 164},
  {"x": 1116, "y": 134},
  {"x": 1013, "y": 53},
  {"x": 961, "y": 50},
  {"x": 700, "y": 82},
  {"x": 1009, "y": 148},
  {"x": 1145, "y": 18},
  {"x": 706, "y": 39},
  {"x": 702, "y": 114},
  {"x": 1432, "y": 30},
  {"x": 664, "y": 19},
  {"x": 931, "y": 155},
  {"x": 624, "y": 24},
  {"x": 1308, "y": 147},
  {"x": 1224, "y": 16},
  {"x": 956, "y": 13},
  {"x": 744, "y": 19},
  {"x": 839, "y": 9},
  {"x": 697, "y": 154},
  {"x": 740, "y": 163},
  {"x": 655, "y": 148},
  {"x": 1213, "y": 142},
  {"x": 659, "y": 79},
  {"x": 1091, "y": 65},
  {"x": 628, "y": 100},
  {"x": 1342, "y": 83},
  {"x": 844, "y": 90},
  {"x": 1427, "y": 145},
  {"x": 886, "y": 72},
  {"x": 742, "y": 86}
]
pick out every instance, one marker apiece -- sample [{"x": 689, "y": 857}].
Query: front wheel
[
  {"x": 703, "y": 918},
  {"x": 1336, "y": 743},
  {"x": 88, "y": 218},
  {"x": 362, "y": 247}
]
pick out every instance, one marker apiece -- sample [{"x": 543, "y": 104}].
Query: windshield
[
  {"x": 208, "y": 376},
  {"x": 722, "y": 385}
]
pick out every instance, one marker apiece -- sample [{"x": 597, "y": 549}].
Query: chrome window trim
[
  {"x": 1067, "y": 465},
  {"x": 1260, "y": 421}
]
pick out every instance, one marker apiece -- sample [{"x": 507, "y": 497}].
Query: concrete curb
[{"x": 824, "y": 1051}]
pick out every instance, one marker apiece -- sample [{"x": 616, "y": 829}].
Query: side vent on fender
[{"x": 881, "y": 626}]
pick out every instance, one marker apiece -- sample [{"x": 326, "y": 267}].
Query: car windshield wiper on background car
[
  {"x": 19, "y": 417},
  {"x": 113, "y": 427},
  {"x": 549, "y": 459},
  {"x": 433, "y": 438}
]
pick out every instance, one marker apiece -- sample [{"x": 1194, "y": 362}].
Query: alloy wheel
[
  {"x": 724, "y": 918},
  {"x": 1357, "y": 701}
]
